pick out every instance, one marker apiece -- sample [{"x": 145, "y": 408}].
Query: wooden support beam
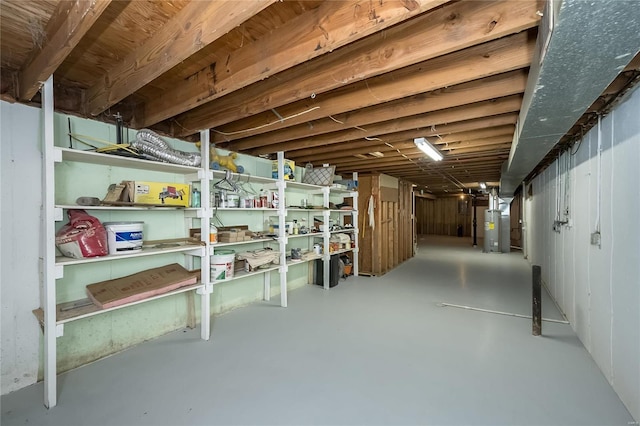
[
  {"x": 487, "y": 164},
  {"x": 510, "y": 83},
  {"x": 490, "y": 147},
  {"x": 458, "y": 128},
  {"x": 276, "y": 92},
  {"x": 455, "y": 147},
  {"x": 330, "y": 26},
  {"x": 474, "y": 135},
  {"x": 421, "y": 123},
  {"x": 197, "y": 25},
  {"x": 68, "y": 24},
  {"x": 412, "y": 159},
  {"x": 404, "y": 147}
]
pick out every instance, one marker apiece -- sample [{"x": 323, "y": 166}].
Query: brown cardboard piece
[{"x": 120, "y": 291}]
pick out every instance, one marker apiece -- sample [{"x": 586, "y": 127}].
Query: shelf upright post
[
  {"x": 282, "y": 238},
  {"x": 326, "y": 235},
  {"x": 355, "y": 223},
  {"x": 49, "y": 255},
  {"x": 205, "y": 261}
]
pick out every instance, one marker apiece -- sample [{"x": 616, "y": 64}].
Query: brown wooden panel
[
  {"x": 388, "y": 194},
  {"x": 365, "y": 237}
]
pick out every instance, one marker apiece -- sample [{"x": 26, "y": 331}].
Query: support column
[{"x": 536, "y": 310}]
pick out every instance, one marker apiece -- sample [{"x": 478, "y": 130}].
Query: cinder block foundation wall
[{"x": 596, "y": 285}]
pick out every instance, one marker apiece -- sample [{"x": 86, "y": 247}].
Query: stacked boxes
[{"x": 234, "y": 236}]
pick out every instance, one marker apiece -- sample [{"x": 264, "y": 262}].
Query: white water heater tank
[{"x": 492, "y": 231}]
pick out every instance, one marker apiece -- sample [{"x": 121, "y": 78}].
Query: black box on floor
[{"x": 334, "y": 271}]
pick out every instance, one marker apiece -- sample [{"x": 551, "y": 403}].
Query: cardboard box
[
  {"x": 289, "y": 169},
  {"x": 170, "y": 194},
  {"x": 119, "y": 291}
]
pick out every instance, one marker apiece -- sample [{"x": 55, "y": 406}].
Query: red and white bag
[{"x": 84, "y": 236}]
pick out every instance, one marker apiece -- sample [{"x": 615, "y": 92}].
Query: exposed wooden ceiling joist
[
  {"x": 469, "y": 64},
  {"x": 323, "y": 81},
  {"x": 418, "y": 123},
  {"x": 194, "y": 27},
  {"x": 331, "y": 26},
  {"x": 68, "y": 24},
  {"x": 483, "y": 89},
  {"x": 318, "y": 153}
]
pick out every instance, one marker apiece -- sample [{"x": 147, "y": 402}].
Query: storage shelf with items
[
  {"x": 241, "y": 207},
  {"x": 160, "y": 266},
  {"x": 314, "y": 205}
]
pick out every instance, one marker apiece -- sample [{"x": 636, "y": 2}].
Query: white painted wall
[
  {"x": 598, "y": 288},
  {"x": 20, "y": 243}
]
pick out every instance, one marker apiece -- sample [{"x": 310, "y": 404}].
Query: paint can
[
  {"x": 124, "y": 237},
  {"x": 222, "y": 265},
  {"x": 233, "y": 200}
]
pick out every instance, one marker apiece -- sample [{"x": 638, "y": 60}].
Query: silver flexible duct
[{"x": 151, "y": 144}]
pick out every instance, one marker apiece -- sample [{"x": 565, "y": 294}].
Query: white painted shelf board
[
  {"x": 116, "y": 208},
  {"x": 87, "y": 311},
  {"x": 243, "y": 209},
  {"x": 342, "y": 231},
  {"x": 340, "y": 251},
  {"x": 302, "y": 261},
  {"x": 64, "y": 261},
  {"x": 118, "y": 161},
  {"x": 342, "y": 191},
  {"x": 299, "y": 186},
  {"x": 261, "y": 240},
  {"x": 301, "y": 235},
  {"x": 237, "y": 275}
]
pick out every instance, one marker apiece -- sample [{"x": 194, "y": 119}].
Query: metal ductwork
[{"x": 582, "y": 47}]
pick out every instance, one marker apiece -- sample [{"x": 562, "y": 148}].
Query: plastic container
[
  {"x": 124, "y": 237},
  {"x": 222, "y": 265},
  {"x": 233, "y": 200},
  {"x": 195, "y": 198}
]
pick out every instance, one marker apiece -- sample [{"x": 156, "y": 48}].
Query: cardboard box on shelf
[
  {"x": 151, "y": 282},
  {"x": 171, "y": 194},
  {"x": 289, "y": 169}
]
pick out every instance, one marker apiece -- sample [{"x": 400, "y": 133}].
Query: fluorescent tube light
[
  {"x": 482, "y": 185},
  {"x": 428, "y": 149}
]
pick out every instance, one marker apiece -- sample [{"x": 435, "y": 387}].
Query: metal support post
[{"x": 536, "y": 310}]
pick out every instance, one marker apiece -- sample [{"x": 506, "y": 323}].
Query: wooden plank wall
[
  {"x": 443, "y": 215},
  {"x": 392, "y": 240}
]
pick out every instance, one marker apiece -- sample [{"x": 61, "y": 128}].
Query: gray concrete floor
[{"x": 373, "y": 350}]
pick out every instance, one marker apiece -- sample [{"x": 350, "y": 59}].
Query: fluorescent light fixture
[
  {"x": 482, "y": 185},
  {"x": 428, "y": 149}
]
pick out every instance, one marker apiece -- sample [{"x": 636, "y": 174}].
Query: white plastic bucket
[
  {"x": 124, "y": 237},
  {"x": 233, "y": 200},
  {"x": 222, "y": 265}
]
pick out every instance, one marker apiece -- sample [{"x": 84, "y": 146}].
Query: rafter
[
  {"x": 423, "y": 122},
  {"x": 487, "y": 136},
  {"x": 324, "y": 29},
  {"x": 458, "y": 128},
  {"x": 197, "y": 25},
  {"x": 281, "y": 92},
  {"x": 68, "y": 24},
  {"x": 484, "y": 89}
]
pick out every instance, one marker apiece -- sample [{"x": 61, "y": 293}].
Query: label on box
[
  {"x": 289, "y": 170},
  {"x": 172, "y": 194}
]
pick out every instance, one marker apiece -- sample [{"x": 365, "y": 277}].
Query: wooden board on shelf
[{"x": 111, "y": 293}]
